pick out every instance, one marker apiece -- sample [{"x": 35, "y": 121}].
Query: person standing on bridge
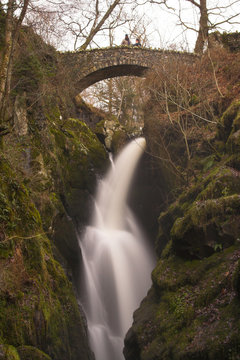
[
  {"x": 137, "y": 43},
  {"x": 126, "y": 41}
]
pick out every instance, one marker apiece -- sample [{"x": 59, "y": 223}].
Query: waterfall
[{"x": 117, "y": 262}]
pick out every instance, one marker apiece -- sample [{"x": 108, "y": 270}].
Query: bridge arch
[
  {"x": 110, "y": 72},
  {"x": 91, "y": 66}
]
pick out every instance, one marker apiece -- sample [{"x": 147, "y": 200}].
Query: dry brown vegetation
[{"x": 185, "y": 102}]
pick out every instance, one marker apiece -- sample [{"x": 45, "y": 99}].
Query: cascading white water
[{"x": 116, "y": 260}]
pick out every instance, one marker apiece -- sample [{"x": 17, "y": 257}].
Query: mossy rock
[
  {"x": 207, "y": 226},
  {"x": 80, "y": 153},
  {"x": 222, "y": 181},
  {"x": 8, "y": 352},
  {"x": 166, "y": 221},
  {"x": 33, "y": 67},
  {"x": 91, "y": 115},
  {"x": 15, "y": 201},
  {"x": 229, "y": 121},
  {"x": 233, "y": 143},
  {"x": 194, "y": 311},
  {"x": 194, "y": 299},
  {"x": 30, "y": 353},
  {"x": 80, "y": 159},
  {"x": 66, "y": 239},
  {"x": 204, "y": 217},
  {"x": 119, "y": 140},
  {"x": 100, "y": 131},
  {"x": 37, "y": 302}
]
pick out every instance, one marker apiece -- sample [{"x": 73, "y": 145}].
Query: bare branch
[
  {"x": 194, "y": 3},
  {"x": 95, "y": 30}
]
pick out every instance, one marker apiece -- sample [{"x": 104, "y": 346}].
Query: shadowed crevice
[{"x": 110, "y": 72}]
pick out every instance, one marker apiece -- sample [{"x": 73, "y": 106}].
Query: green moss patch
[
  {"x": 229, "y": 121},
  {"x": 30, "y": 352}
]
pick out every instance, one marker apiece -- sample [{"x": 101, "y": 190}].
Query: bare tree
[
  {"x": 178, "y": 112},
  {"x": 203, "y": 25},
  {"x": 78, "y": 22},
  {"x": 14, "y": 13},
  {"x": 211, "y": 15}
]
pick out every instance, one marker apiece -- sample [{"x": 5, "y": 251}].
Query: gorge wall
[
  {"x": 192, "y": 308},
  {"x": 49, "y": 165}
]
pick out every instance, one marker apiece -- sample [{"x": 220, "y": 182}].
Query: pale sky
[
  {"x": 162, "y": 26},
  {"x": 165, "y": 31}
]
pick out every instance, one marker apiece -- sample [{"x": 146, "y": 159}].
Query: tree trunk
[
  {"x": 11, "y": 35},
  {"x": 203, "y": 28},
  {"x": 6, "y": 53}
]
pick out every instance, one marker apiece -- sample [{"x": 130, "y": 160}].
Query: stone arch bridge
[{"x": 91, "y": 66}]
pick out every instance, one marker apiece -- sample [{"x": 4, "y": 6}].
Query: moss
[
  {"x": 47, "y": 305},
  {"x": 166, "y": 221},
  {"x": 222, "y": 181},
  {"x": 206, "y": 225},
  {"x": 173, "y": 273},
  {"x": 10, "y": 353},
  {"x": 230, "y": 116},
  {"x": 37, "y": 303},
  {"x": 30, "y": 352},
  {"x": 236, "y": 279},
  {"x": 204, "y": 217},
  {"x": 194, "y": 310},
  {"x": 32, "y": 68},
  {"x": 99, "y": 128},
  {"x": 15, "y": 203},
  {"x": 119, "y": 139},
  {"x": 79, "y": 158}
]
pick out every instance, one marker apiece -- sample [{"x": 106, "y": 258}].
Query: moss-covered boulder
[
  {"x": 207, "y": 226},
  {"x": 205, "y": 217}
]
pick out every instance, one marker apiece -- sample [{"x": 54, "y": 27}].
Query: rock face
[
  {"x": 192, "y": 310},
  {"x": 20, "y": 115},
  {"x": 48, "y": 176},
  {"x": 40, "y": 318},
  {"x": 80, "y": 157}
]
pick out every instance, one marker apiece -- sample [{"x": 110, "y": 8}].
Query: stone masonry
[{"x": 91, "y": 66}]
